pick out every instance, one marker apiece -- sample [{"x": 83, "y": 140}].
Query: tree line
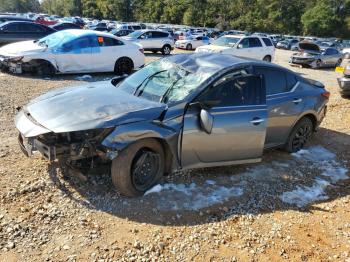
[{"x": 324, "y": 18}]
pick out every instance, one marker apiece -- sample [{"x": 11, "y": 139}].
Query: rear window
[
  {"x": 254, "y": 42},
  {"x": 267, "y": 41},
  {"x": 156, "y": 34},
  {"x": 275, "y": 80}
]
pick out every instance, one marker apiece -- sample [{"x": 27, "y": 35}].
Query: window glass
[
  {"x": 291, "y": 80},
  {"x": 12, "y": 28},
  {"x": 254, "y": 42},
  {"x": 275, "y": 80},
  {"x": 267, "y": 42},
  {"x": 159, "y": 34},
  {"x": 30, "y": 28},
  {"x": 107, "y": 41},
  {"x": 244, "y": 43},
  {"x": 238, "y": 91}
]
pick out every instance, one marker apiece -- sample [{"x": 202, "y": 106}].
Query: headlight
[{"x": 15, "y": 59}]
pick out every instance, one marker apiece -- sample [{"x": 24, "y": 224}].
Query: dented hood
[
  {"x": 308, "y": 46},
  {"x": 95, "y": 105},
  {"x": 21, "y": 48}
]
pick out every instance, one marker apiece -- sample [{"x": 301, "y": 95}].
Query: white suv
[
  {"x": 153, "y": 40},
  {"x": 256, "y": 47}
]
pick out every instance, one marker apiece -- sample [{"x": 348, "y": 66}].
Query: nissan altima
[{"x": 180, "y": 112}]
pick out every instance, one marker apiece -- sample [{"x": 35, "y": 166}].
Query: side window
[
  {"x": 199, "y": 38},
  {"x": 237, "y": 91},
  {"x": 107, "y": 41},
  {"x": 254, "y": 42},
  {"x": 156, "y": 34},
  {"x": 30, "y": 28},
  {"x": 11, "y": 28},
  {"x": 291, "y": 80},
  {"x": 275, "y": 80},
  {"x": 267, "y": 42},
  {"x": 146, "y": 35},
  {"x": 244, "y": 43}
]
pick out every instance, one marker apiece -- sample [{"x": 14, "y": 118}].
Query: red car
[{"x": 43, "y": 21}]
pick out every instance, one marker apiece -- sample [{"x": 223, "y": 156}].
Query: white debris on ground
[
  {"x": 332, "y": 171},
  {"x": 173, "y": 196},
  {"x": 192, "y": 196},
  {"x": 83, "y": 78}
]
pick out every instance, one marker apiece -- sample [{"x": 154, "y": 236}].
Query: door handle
[
  {"x": 297, "y": 100},
  {"x": 256, "y": 121}
]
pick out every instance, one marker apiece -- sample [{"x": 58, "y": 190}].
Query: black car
[
  {"x": 21, "y": 30},
  {"x": 6, "y": 18},
  {"x": 99, "y": 27},
  {"x": 64, "y": 26},
  {"x": 121, "y": 32}
]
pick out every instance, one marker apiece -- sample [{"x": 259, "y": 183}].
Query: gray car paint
[{"x": 101, "y": 105}]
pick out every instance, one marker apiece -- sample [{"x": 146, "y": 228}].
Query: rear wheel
[
  {"x": 188, "y": 47},
  {"x": 300, "y": 135},
  {"x": 138, "y": 167},
  {"x": 339, "y": 62},
  {"x": 166, "y": 50},
  {"x": 124, "y": 65},
  {"x": 267, "y": 58}
]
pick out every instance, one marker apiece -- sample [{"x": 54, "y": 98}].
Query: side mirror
[
  {"x": 206, "y": 121},
  {"x": 239, "y": 46}
]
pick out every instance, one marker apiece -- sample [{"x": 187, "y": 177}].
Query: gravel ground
[{"x": 289, "y": 207}]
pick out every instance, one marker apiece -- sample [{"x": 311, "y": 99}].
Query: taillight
[
  {"x": 141, "y": 50},
  {"x": 326, "y": 94}
]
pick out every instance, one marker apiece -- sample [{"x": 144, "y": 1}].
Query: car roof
[
  {"x": 214, "y": 63},
  {"x": 82, "y": 32}
]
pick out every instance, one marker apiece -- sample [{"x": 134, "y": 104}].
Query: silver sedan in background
[{"x": 183, "y": 111}]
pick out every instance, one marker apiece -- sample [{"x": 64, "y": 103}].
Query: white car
[
  {"x": 346, "y": 52},
  {"x": 256, "y": 47},
  {"x": 73, "y": 51},
  {"x": 192, "y": 42},
  {"x": 153, "y": 40}
]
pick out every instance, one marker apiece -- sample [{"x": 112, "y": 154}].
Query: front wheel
[
  {"x": 45, "y": 68},
  {"x": 124, "y": 65},
  {"x": 166, "y": 50},
  {"x": 300, "y": 135},
  {"x": 339, "y": 62},
  {"x": 138, "y": 167},
  {"x": 267, "y": 58},
  {"x": 189, "y": 47}
]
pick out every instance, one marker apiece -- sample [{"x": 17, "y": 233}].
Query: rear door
[
  {"x": 238, "y": 127},
  {"x": 146, "y": 40},
  {"x": 285, "y": 103}
]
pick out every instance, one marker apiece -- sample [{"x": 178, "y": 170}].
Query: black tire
[
  {"x": 318, "y": 64},
  {"x": 166, "y": 50},
  {"x": 300, "y": 135},
  {"x": 267, "y": 58},
  {"x": 129, "y": 171},
  {"x": 45, "y": 68},
  {"x": 339, "y": 62},
  {"x": 124, "y": 65},
  {"x": 188, "y": 47}
]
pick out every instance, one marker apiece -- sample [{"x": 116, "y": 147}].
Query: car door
[
  {"x": 106, "y": 53},
  {"x": 146, "y": 40},
  {"x": 31, "y": 31},
  {"x": 285, "y": 102},
  {"x": 10, "y": 33},
  {"x": 75, "y": 56},
  {"x": 238, "y": 118}
]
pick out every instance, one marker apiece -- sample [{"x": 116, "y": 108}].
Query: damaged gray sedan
[{"x": 184, "y": 111}]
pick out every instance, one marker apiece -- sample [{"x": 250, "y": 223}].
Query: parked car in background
[
  {"x": 15, "y": 31},
  {"x": 153, "y": 40},
  {"x": 65, "y": 26},
  {"x": 185, "y": 111},
  {"x": 310, "y": 54},
  {"x": 6, "y": 18},
  {"x": 192, "y": 43},
  {"x": 101, "y": 26},
  {"x": 346, "y": 52},
  {"x": 72, "y": 51},
  {"x": 344, "y": 82},
  {"x": 120, "y": 32},
  {"x": 287, "y": 44},
  {"x": 45, "y": 20},
  {"x": 256, "y": 47}
]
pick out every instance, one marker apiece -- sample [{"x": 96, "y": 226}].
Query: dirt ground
[{"x": 287, "y": 208}]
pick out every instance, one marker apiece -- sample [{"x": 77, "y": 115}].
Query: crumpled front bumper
[
  {"x": 14, "y": 67},
  {"x": 301, "y": 60}
]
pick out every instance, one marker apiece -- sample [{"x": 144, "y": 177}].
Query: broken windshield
[
  {"x": 56, "y": 39},
  {"x": 162, "y": 81},
  {"x": 226, "y": 41}
]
